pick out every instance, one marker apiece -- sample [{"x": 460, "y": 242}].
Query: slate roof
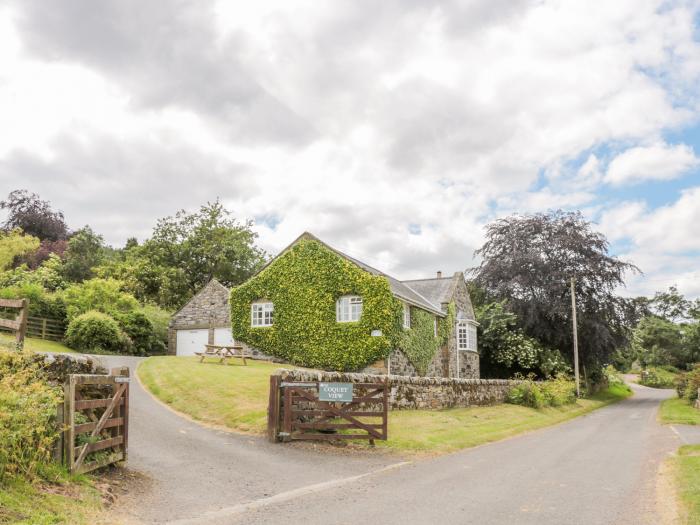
[
  {"x": 402, "y": 290},
  {"x": 437, "y": 291}
]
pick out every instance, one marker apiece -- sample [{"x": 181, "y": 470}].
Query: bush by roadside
[
  {"x": 687, "y": 385},
  {"x": 538, "y": 394},
  {"x": 658, "y": 378}
]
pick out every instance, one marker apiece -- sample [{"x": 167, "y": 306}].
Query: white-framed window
[
  {"x": 466, "y": 336},
  {"x": 348, "y": 308},
  {"x": 406, "y": 315},
  {"x": 262, "y": 314}
]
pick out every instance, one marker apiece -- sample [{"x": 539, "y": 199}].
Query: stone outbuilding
[{"x": 205, "y": 319}]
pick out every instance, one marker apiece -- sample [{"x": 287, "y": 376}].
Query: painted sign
[{"x": 338, "y": 392}]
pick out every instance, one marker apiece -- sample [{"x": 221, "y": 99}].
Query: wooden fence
[
  {"x": 18, "y": 325},
  {"x": 96, "y": 419},
  {"x": 296, "y": 412},
  {"x": 45, "y": 328}
]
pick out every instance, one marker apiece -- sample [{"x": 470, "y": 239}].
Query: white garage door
[
  {"x": 222, "y": 336},
  {"x": 191, "y": 341}
]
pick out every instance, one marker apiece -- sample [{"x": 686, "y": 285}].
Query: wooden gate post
[
  {"x": 69, "y": 422},
  {"x": 273, "y": 409}
]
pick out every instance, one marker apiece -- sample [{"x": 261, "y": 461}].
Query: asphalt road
[
  {"x": 598, "y": 469},
  {"x": 195, "y": 469}
]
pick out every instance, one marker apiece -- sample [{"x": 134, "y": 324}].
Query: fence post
[
  {"x": 43, "y": 328},
  {"x": 22, "y": 331},
  {"x": 69, "y": 420},
  {"x": 273, "y": 409},
  {"x": 59, "y": 446},
  {"x": 123, "y": 412}
]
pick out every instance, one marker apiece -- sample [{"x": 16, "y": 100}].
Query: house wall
[
  {"x": 208, "y": 309},
  {"x": 468, "y": 361}
]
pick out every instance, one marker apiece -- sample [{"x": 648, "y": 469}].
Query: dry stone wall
[{"x": 407, "y": 393}]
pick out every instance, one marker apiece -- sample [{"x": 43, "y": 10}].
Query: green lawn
[
  {"x": 236, "y": 397},
  {"x": 74, "y": 503},
  {"x": 688, "y": 481},
  {"x": 679, "y": 411},
  {"x": 231, "y": 395},
  {"x": 38, "y": 345}
]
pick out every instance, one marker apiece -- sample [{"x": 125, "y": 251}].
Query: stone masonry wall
[
  {"x": 407, "y": 393},
  {"x": 208, "y": 309}
]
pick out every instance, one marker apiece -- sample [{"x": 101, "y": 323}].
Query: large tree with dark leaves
[
  {"x": 528, "y": 260},
  {"x": 34, "y": 216}
]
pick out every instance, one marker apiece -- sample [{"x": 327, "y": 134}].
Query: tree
[
  {"x": 191, "y": 249},
  {"x": 85, "y": 252},
  {"x": 671, "y": 305},
  {"x": 13, "y": 245},
  {"x": 33, "y": 216},
  {"x": 528, "y": 261},
  {"x": 659, "y": 342}
]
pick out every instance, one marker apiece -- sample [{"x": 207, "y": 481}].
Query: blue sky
[{"x": 395, "y": 131}]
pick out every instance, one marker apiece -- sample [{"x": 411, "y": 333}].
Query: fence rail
[
  {"x": 46, "y": 328},
  {"x": 18, "y": 325}
]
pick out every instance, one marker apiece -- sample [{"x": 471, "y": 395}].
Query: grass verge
[
  {"x": 74, "y": 502},
  {"x": 688, "y": 482},
  {"x": 235, "y": 396},
  {"x": 679, "y": 411},
  {"x": 37, "y": 345},
  {"x": 442, "y": 431}
]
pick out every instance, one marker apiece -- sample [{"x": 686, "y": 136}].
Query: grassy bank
[
  {"x": 37, "y": 345},
  {"x": 679, "y": 411},
  {"x": 74, "y": 503},
  {"x": 688, "y": 482},
  {"x": 235, "y": 396}
]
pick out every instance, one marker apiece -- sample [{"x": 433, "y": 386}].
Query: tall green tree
[
  {"x": 528, "y": 261},
  {"x": 85, "y": 252},
  {"x": 185, "y": 252}
]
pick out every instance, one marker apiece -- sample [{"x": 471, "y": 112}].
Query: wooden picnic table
[{"x": 223, "y": 352}]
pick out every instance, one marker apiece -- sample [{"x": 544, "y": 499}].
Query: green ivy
[
  {"x": 419, "y": 342},
  {"x": 304, "y": 284}
]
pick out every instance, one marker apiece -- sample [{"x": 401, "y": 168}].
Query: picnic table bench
[{"x": 223, "y": 352}]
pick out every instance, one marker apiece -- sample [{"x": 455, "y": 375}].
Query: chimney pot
[{"x": 439, "y": 274}]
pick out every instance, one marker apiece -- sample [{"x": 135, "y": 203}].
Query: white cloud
[
  {"x": 655, "y": 162},
  {"x": 351, "y": 119}
]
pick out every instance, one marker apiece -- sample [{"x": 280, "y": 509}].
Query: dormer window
[
  {"x": 262, "y": 314},
  {"x": 348, "y": 308}
]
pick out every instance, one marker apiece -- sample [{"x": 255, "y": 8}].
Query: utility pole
[{"x": 573, "y": 317}]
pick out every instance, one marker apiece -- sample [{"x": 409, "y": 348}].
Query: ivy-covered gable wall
[{"x": 304, "y": 284}]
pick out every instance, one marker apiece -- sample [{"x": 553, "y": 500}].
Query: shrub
[
  {"x": 554, "y": 392},
  {"x": 687, "y": 384},
  {"x": 103, "y": 295},
  {"x": 657, "y": 378},
  {"x": 97, "y": 332},
  {"x": 139, "y": 329},
  {"x": 28, "y": 427},
  {"x": 159, "y": 319},
  {"x": 41, "y": 302}
]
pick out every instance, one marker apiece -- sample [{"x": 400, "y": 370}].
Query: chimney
[{"x": 439, "y": 274}]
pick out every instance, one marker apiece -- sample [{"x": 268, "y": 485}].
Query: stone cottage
[
  {"x": 205, "y": 319},
  {"x": 315, "y": 306}
]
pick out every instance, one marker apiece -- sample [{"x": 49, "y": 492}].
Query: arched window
[{"x": 348, "y": 308}]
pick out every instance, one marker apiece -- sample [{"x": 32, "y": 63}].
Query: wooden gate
[
  {"x": 19, "y": 324},
  {"x": 96, "y": 415},
  {"x": 304, "y": 417}
]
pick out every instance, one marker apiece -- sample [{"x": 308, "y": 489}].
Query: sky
[{"x": 395, "y": 130}]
